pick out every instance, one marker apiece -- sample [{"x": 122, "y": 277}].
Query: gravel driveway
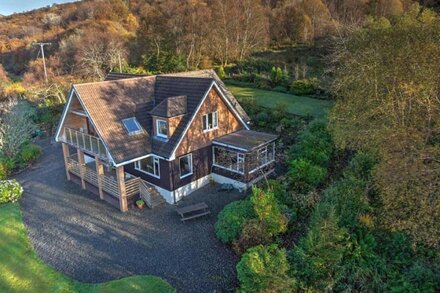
[{"x": 90, "y": 241}]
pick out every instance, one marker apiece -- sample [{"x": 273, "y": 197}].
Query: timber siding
[{"x": 196, "y": 138}]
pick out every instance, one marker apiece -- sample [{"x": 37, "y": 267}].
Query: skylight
[{"x": 132, "y": 126}]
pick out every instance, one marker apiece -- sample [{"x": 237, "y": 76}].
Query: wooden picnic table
[{"x": 193, "y": 211}]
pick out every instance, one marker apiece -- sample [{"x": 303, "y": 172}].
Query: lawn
[
  {"x": 297, "y": 105},
  {"x": 22, "y": 271}
]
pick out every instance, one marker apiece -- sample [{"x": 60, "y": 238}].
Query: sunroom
[{"x": 243, "y": 157}]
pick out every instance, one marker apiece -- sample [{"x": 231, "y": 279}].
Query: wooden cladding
[{"x": 196, "y": 137}]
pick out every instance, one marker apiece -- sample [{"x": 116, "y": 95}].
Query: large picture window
[
  {"x": 229, "y": 160},
  {"x": 210, "y": 121},
  {"x": 149, "y": 165},
  {"x": 162, "y": 128},
  {"x": 186, "y": 165}
]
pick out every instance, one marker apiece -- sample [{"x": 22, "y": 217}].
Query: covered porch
[
  {"x": 87, "y": 163},
  {"x": 244, "y": 156}
]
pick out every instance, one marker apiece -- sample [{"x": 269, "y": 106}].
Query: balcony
[{"x": 85, "y": 142}]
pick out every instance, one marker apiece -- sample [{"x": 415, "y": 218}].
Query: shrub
[
  {"x": 268, "y": 211},
  {"x": 231, "y": 220},
  {"x": 315, "y": 144},
  {"x": 29, "y": 153},
  {"x": 221, "y": 72},
  {"x": 276, "y": 75},
  {"x": 10, "y": 191},
  {"x": 305, "y": 176},
  {"x": 317, "y": 258},
  {"x": 254, "y": 233},
  {"x": 262, "y": 119},
  {"x": 304, "y": 86},
  {"x": 264, "y": 269},
  {"x": 280, "y": 89},
  {"x": 7, "y": 165}
]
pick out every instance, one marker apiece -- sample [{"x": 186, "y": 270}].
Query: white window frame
[
  {"x": 190, "y": 166},
  {"x": 156, "y": 160},
  {"x": 240, "y": 159},
  {"x": 265, "y": 150},
  {"x": 137, "y": 124},
  {"x": 157, "y": 128},
  {"x": 214, "y": 121}
]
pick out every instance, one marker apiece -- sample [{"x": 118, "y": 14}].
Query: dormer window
[
  {"x": 132, "y": 125},
  {"x": 161, "y": 128},
  {"x": 210, "y": 121}
]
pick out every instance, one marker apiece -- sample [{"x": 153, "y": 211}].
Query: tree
[
  {"x": 387, "y": 87},
  {"x": 16, "y": 126},
  {"x": 264, "y": 269}
]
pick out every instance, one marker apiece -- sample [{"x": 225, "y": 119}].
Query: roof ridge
[{"x": 114, "y": 81}]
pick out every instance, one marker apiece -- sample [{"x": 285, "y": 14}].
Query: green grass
[
  {"x": 22, "y": 271},
  {"x": 297, "y": 105}
]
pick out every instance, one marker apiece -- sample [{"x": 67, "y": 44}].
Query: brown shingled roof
[
  {"x": 170, "y": 107},
  {"x": 108, "y": 102},
  {"x": 123, "y": 96}
]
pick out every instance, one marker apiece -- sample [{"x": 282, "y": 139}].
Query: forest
[{"x": 356, "y": 206}]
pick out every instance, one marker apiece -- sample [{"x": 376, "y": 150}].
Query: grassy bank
[
  {"x": 297, "y": 105},
  {"x": 22, "y": 271}
]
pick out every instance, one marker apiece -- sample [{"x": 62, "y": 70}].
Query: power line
[{"x": 42, "y": 55}]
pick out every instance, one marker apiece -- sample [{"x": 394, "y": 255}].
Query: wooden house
[{"x": 160, "y": 136}]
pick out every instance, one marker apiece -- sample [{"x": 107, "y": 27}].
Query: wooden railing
[
  {"x": 85, "y": 142},
  {"x": 145, "y": 194},
  {"x": 109, "y": 183}
]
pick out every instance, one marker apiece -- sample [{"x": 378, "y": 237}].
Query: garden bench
[{"x": 193, "y": 211}]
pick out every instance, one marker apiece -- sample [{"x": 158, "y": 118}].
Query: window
[
  {"x": 210, "y": 121},
  {"x": 186, "y": 166},
  {"x": 161, "y": 128},
  {"x": 149, "y": 165},
  {"x": 132, "y": 125},
  {"x": 229, "y": 160},
  {"x": 262, "y": 157}
]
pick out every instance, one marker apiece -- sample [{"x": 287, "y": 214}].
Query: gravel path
[{"x": 90, "y": 241}]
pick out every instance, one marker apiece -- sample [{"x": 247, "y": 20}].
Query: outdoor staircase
[{"x": 150, "y": 195}]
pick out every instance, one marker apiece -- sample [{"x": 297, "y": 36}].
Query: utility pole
[{"x": 42, "y": 54}]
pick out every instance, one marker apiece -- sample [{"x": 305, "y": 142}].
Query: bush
[
  {"x": 280, "y": 89},
  {"x": 304, "y": 86},
  {"x": 221, "y": 72},
  {"x": 254, "y": 233},
  {"x": 268, "y": 211},
  {"x": 29, "y": 153},
  {"x": 315, "y": 144},
  {"x": 264, "y": 269},
  {"x": 7, "y": 165},
  {"x": 305, "y": 176},
  {"x": 276, "y": 75},
  {"x": 10, "y": 191},
  {"x": 317, "y": 258},
  {"x": 262, "y": 119},
  {"x": 231, "y": 220}
]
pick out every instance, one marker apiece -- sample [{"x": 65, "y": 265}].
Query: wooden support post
[
  {"x": 120, "y": 176},
  {"x": 100, "y": 173},
  {"x": 81, "y": 167},
  {"x": 66, "y": 155}
]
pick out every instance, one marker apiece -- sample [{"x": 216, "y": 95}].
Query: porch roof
[{"x": 246, "y": 140}]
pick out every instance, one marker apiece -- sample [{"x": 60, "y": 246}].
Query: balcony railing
[
  {"x": 85, "y": 142},
  {"x": 109, "y": 183}
]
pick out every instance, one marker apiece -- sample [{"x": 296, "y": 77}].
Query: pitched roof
[
  {"x": 194, "y": 89},
  {"x": 246, "y": 139},
  {"x": 123, "y": 96},
  {"x": 170, "y": 107},
  {"x": 108, "y": 102},
  {"x": 210, "y": 73}
]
